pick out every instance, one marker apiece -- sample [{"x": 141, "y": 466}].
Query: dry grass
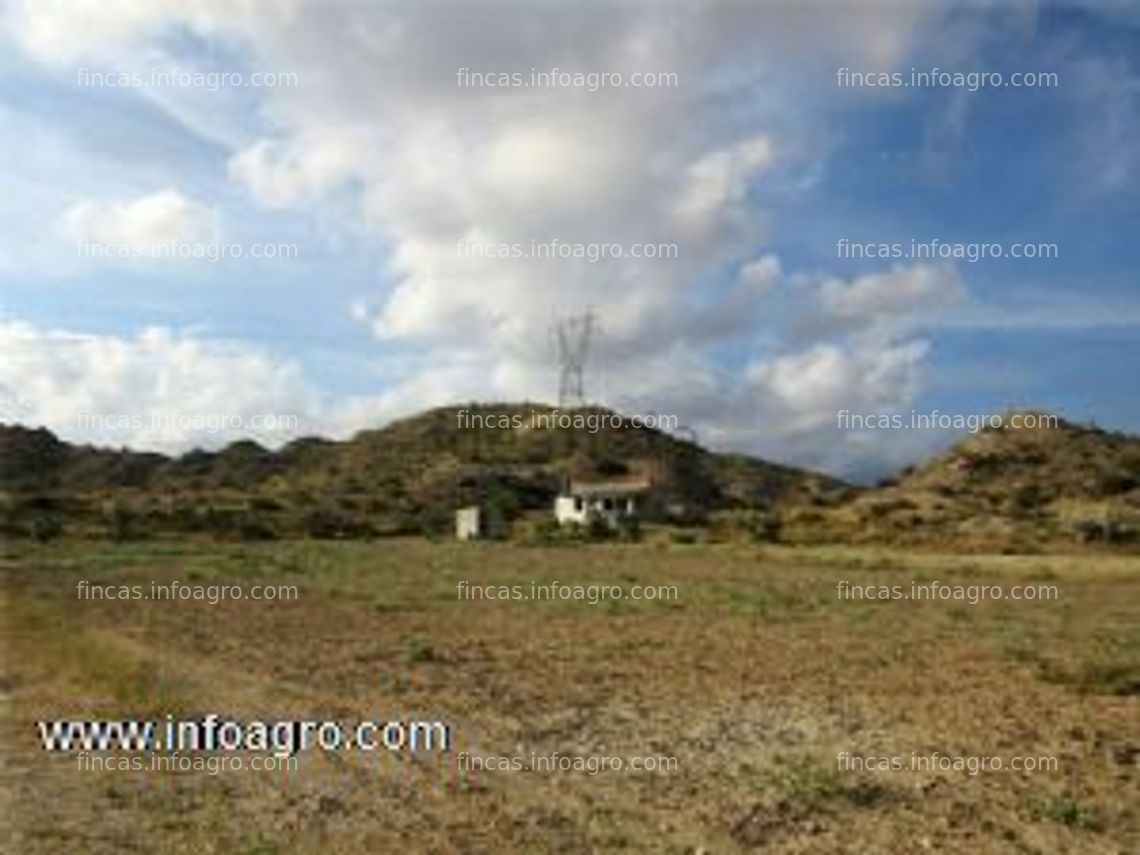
[{"x": 754, "y": 679}]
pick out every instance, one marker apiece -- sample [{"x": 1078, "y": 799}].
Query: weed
[
  {"x": 1095, "y": 677},
  {"x": 1066, "y": 810},
  {"x": 420, "y": 651},
  {"x": 809, "y": 786}
]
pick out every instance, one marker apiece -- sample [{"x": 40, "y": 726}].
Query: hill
[
  {"x": 1005, "y": 487},
  {"x": 408, "y": 476},
  {"x": 1014, "y": 489}
]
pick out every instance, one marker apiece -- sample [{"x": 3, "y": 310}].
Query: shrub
[
  {"x": 598, "y": 529},
  {"x": 265, "y": 503},
  {"x": 502, "y": 503},
  {"x": 326, "y": 524},
  {"x": 41, "y": 503},
  {"x": 47, "y": 528},
  {"x": 1087, "y": 531},
  {"x": 547, "y": 528},
  {"x": 765, "y": 528},
  {"x": 1115, "y": 483},
  {"x": 810, "y": 786},
  {"x": 420, "y": 651},
  {"x": 125, "y": 525},
  {"x": 629, "y": 530},
  {"x": 434, "y": 522},
  {"x": 547, "y": 531},
  {"x": 252, "y": 528},
  {"x": 1028, "y": 497},
  {"x": 1066, "y": 810}
]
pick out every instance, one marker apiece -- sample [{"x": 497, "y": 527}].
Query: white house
[
  {"x": 468, "y": 523},
  {"x": 610, "y": 501}
]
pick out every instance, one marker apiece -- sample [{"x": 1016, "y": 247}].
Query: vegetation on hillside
[{"x": 1013, "y": 489}]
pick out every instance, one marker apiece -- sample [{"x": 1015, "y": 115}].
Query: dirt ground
[{"x": 754, "y": 679}]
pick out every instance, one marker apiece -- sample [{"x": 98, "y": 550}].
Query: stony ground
[{"x": 755, "y": 678}]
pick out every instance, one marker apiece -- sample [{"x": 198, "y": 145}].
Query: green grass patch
[{"x": 1067, "y": 810}]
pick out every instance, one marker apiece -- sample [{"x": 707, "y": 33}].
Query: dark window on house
[
  {"x": 578, "y": 503},
  {"x": 608, "y": 503}
]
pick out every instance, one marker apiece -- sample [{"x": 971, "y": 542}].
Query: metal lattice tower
[{"x": 572, "y": 341}]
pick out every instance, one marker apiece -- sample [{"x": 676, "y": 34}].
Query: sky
[{"x": 366, "y": 163}]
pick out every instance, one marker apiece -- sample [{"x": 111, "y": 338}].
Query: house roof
[{"x": 607, "y": 488}]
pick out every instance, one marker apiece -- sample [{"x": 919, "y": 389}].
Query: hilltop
[
  {"x": 1005, "y": 487},
  {"x": 405, "y": 477}
]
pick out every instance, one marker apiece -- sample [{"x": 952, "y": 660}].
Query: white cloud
[
  {"x": 378, "y": 110},
  {"x": 83, "y": 386},
  {"x": 810, "y": 386},
  {"x": 721, "y": 178},
  {"x": 160, "y": 218},
  {"x": 762, "y": 273},
  {"x": 902, "y": 293},
  {"x": 66, "y": 30},
  {"x": 69, "y": 31},
  {"x": 280, "y": 178}
]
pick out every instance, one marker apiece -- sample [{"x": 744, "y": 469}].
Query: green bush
[
  {"x": 125, "y": 525},
  {"x": 630, "y": 530},
  {"x": 327, "y": 524},
  {"x": 503, "y": 503},
  {"x": 47, "y": 528},
  {"x": 435, "y": 522},
  {"x": 1066, "y": 810},
  {"x": 764, "y": 527},
  {"x": 420, "y": 651},
  {"x": 549, "y": 532},
  {"x": 598, "y": 529},
  {"x": 1028, "y": 497},
  {"x": 252, "y": 528}
]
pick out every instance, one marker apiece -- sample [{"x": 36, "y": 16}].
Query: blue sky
[{"x": 375, "y": 164}]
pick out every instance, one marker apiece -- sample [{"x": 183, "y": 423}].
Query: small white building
[
  {"x": 610, "y": 501},
  {"x": 468, "y": 523}
]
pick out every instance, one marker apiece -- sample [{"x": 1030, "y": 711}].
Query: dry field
[{"x": 755, "y": 678}]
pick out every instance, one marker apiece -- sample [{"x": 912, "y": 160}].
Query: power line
[{"x": 572, "y": 341}]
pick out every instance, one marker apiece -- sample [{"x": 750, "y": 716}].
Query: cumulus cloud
[
  {"x": 161, "y": 218},
  {"x": 71, "y": 31},
  {"x": 434, "y": 164},
  {"x": 155, "y": 390},
  {"x": 762, "y": 273},
  {"x": 810, "y": 386},
  {"x": 281, "y": 177},
  {"x": 902, "y": 293}
]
